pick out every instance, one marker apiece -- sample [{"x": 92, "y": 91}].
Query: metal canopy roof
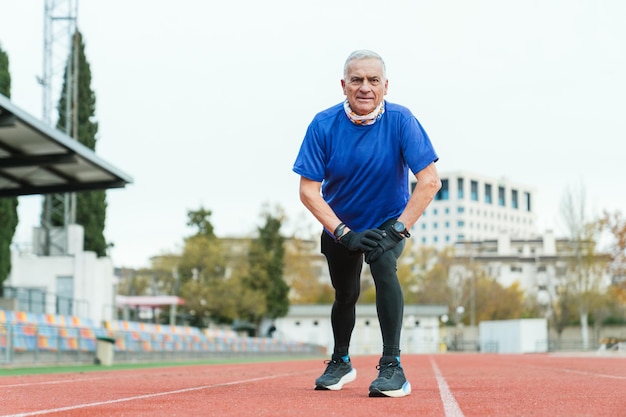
[{"x": 37, "y": 159}]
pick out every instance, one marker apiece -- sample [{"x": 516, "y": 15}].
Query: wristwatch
[
  {"x": 339, "y": 230},
  {"x": 401, "y": 228}
]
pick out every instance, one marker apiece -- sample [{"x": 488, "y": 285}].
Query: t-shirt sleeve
[
  {"x": 417, "y": 149},
  {"x": 310, "y": 162}
]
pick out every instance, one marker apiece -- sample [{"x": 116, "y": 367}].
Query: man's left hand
[{"x": 390, "y": 239}]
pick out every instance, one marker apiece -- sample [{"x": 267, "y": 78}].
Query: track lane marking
[
  {"x": 593, "y": 374},
  {"x": 568, "y": 370},
  {"x": 145, "y": 396},
  {"x": 450, "y": 406},
  {"x": 56, "y": 382}
]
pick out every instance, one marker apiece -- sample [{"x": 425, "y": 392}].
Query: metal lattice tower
[{"x": 60, "y": 28}]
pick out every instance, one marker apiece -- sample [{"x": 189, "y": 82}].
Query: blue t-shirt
[{"x": 364, "y": 169}]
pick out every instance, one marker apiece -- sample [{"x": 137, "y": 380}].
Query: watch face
[{"x": 399, "y": 227}]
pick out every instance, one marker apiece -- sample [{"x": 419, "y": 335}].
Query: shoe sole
[
  {"x": 402, "y": 392},
  {"x": 349, "y": 377}
]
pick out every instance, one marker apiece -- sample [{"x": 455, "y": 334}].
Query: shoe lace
[
  {"x": 331, "y": 366},
  {"x": 386, "y": 370}
]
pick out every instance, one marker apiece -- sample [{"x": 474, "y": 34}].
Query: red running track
[{"x": 445, "y": 385}]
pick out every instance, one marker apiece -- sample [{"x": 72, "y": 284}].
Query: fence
[{"x": 39, "y": 301}]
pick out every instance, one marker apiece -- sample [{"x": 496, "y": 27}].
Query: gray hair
[{"x": 363, "y": 54}]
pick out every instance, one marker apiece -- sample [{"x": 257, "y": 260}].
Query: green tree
[
  {"x": 482, "y": 296},
  {"x": 8, "y": 205},
  {"x": 266, "y": 259},
  {"x": 496, "y": 302},
  {"x": 428, "y": 278},
  {"x": 423, "y": 276},
  {"x": 302, "y": 273},
  {"x": 201, "y": 219},
  {"x": 82, "y": 126},
  {"x": 202, "y": 271}
]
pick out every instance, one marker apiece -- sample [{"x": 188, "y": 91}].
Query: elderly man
[{"x": 354, "y": 164}]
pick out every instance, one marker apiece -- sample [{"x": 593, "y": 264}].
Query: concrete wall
[
  {"x": 571, "y": 336},
  {"x": 311, "y": 324},
  {"x": 93, "y": 278},
  {"x": 514, "y": 336}
]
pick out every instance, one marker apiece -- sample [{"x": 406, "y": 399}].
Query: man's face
[{"x": 364, "y": 85}]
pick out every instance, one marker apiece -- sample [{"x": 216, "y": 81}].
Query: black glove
[
  {"x": 362, "y": 241},
  {"x": 390, "y": 239}
]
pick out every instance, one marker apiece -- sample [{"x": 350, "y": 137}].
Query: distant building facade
[
  {"x": 77, "y": 283},
  {"x": 471, "y": 207},
  {"x": 540, "y": 264}
]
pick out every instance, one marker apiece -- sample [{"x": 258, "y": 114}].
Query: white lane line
[
  {"x": 55, "y": 382},
  {"x": 450, "y": 406},
  {"x": 594, "y": 374},
  {"x": 145, "y": 396},
  {"x": 571, "y": 371},
  {"x": 576, "y": 371}
]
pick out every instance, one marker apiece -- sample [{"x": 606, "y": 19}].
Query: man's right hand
[{"x": 362, "y": 241}]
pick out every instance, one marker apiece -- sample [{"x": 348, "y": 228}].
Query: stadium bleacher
[{"x": 26, "y": 332}]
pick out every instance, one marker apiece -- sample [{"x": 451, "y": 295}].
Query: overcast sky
[{"x": 205, "y": 103}]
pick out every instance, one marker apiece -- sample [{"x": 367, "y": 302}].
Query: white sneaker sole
[
  {"x": 402, "y": 392},
  {"x": 349, "y": 377}
]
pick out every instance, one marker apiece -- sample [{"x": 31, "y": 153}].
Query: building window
[
  {"x": 442, "y": 194},
  {"x": 460, "y": 223},
  {"x": 459, "y": 187},
  {"x": 447, "y": 225},
  {"x": 514, "y": 203},
  {"x": 501, "y": 197},
  {"x": 488, "y": 194},
  {"x": 460, "y": 209},
  {"x": 527, "y": 205},
  {"x": 423, "y": 226},
  {"x": 474, "y": 190},
  {"x": 434, "y": 225}
]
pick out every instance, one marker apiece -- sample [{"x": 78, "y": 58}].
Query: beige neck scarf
[{"x": 366, "y": 120}]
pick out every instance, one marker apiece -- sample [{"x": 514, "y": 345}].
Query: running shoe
[
  {"x": 391, "y": 381},
  {"x": 338, "y": 372}
]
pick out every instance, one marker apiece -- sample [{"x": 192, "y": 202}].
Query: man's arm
[
  {"x": 428, "y": 183},
  {"x": 312, "y": 199}
]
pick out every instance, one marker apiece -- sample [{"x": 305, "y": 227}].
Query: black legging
[{"x": 345, "y": 268}]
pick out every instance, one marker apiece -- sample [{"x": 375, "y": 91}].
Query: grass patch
[{"x": 83, "y": 368}]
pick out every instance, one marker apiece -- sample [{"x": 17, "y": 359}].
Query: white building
[
  {"x": 540, "y": 264},
  {"x": 470, "y": 206},
  {"x": 311, "y": 324},
  {"x": 76, "y": 284}
]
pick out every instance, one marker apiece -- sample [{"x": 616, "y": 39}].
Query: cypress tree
[
  {"x": 8, "y": 205},
  {"x": 90, "y": 205}
]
